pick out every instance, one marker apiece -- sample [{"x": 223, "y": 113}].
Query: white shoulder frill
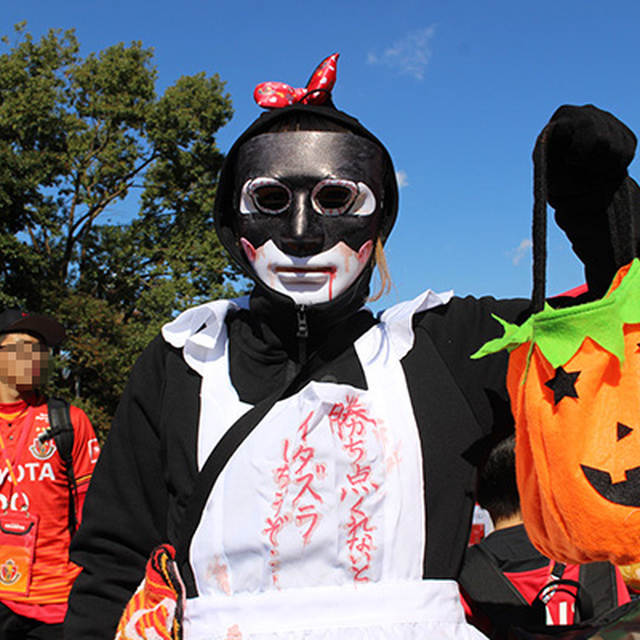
[
  {"x": 201, "y": 331},
  {"x": 398, "y": 320}
]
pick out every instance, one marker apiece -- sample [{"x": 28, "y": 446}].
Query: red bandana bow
[{"x": 274, "y": 95}]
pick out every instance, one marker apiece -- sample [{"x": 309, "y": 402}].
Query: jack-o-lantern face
[
  {"x": 574, "y": 384},
  {"x": 627, "y": 491}
]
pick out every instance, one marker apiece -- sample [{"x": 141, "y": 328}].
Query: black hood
[{"x": 225, "y": 214}]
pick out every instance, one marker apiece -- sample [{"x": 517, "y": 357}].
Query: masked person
[
  {"x": 308, "y": 460},
  {"x": 36, "y": 498}
]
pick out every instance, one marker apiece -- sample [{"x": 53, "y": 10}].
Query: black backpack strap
[
  {"x": 61, "y": 430},
  {"x": 493, "y": 593},
  {"x": 341, "y": 340},
  {"x": 557, "y": 570},
  {"x": 599, "y": 580}
]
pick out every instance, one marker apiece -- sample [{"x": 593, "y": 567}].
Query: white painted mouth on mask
[{"x": 310, "y": 280}]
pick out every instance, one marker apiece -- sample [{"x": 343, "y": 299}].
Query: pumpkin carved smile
[{"x": 626, "y": 492}]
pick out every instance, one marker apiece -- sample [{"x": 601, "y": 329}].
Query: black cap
[{"x": 15, "y": 320}]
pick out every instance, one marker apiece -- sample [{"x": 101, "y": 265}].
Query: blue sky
[{"x": 457, "y": 89}]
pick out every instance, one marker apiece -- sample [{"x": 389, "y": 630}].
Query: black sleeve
[
  {"x": 460, "y": 406},
  {"x": 127, "y": 512},
  {"x": 456, "y": 331}
]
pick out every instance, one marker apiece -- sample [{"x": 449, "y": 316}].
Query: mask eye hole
[
  {"x": 334, "y": 197},
  {"x": 265, "y": 195},
  {"x": 271, "y": 198}
]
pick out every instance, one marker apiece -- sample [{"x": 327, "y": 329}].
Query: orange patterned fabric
[{"x": 156, "y": 608}]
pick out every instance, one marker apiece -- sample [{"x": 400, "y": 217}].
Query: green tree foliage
[{"x": 81, "y": 140}]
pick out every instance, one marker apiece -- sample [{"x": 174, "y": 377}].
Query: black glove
[{"x": 588, "y": 152}]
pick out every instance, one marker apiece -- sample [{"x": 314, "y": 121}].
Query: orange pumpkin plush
[{"x": 574, "y": 384}]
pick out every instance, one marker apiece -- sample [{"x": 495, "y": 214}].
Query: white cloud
[
  {"x": 523, "y": 249},
  {"x": 409, "y": 56},
  {"x": 402, "y": 178}
]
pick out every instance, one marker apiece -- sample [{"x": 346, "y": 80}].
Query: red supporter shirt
[{"x": 42, "y": 484}]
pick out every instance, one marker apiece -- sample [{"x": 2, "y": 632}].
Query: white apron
[{"x": 316, "y": 527}]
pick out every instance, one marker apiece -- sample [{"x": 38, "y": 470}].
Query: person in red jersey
[
  {"x": 506, "y": 581},
  {"x": 35, "y": 571}
]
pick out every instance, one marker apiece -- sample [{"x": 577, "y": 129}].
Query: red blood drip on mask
[{"x": 332, "y": 278}]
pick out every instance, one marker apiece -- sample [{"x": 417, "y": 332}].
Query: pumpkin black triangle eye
[{"x": 623, "y": 430}]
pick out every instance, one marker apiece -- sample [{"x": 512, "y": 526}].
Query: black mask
[
  {"x": 309, "y": 190},
  {"x": 308, "y": 210}
]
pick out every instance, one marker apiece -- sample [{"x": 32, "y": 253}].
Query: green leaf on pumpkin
[{"x": 559, "y": 333}]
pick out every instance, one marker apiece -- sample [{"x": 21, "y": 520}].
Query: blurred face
[
  {"x": 308, "y": 207},
  {"x": 23, "y": 361}
]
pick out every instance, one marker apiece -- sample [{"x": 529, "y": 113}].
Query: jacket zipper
[{"x": 302, "y": 333}]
